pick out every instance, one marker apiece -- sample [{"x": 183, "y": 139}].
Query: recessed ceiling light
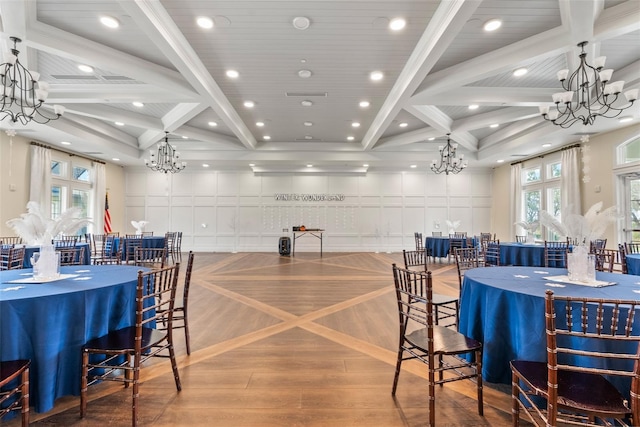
[
  {"x": 252, "y": 164},
  {"x": 495, "y": 125},
  {"x": 109, "y": 21},
  {"x": 365, "y": 165},
  {"x": 304, "y": 74},
  {"x": 249, "y": 104},
  {"x": 397, "y": 24},
  {"x": 432, "y": 138},
  {"x": 309, "y": 165},
  {"x": 364, "y": 104},
  {"x": 138, "y": 104},
  {"x": 205, "y": 22},
  {"x": 403, "y": 124},
  {"x": 350, "y": 138},
  {"x": 355, "y": 124},
  {"x": 212, "y": 124},
  {"x": 308, "y": 123},
  {"x": 306, "y": 103},
  {"x": 473, "y": 107},
  {"x": 65, "y": 143},
  {"x": 266, "y": 137},
  {"x": 413, "y": 166},
  {"x": 259, "y": 124},
  {"x": 185, "y": 137},
  {"x": 303, "y": 61},
  {"x": 85, "y": 68},
  {"x": 308, "y": 137},
  {"x": 205, "y": 165},
  {"x": 376, "y": 75},
  {"x": 119, "y": 123},
  {"x": 520, "y": 72},
  {"x": 301, "y": 22},
  {"x": 546, "y": 145},
  {"x": 625, "y": 119},
  {"x": 233, "y": 74},
  {"x": 492, "y": 25},
  {"x": 115, "y": 159},
  {"x": 500, "y": 161}
]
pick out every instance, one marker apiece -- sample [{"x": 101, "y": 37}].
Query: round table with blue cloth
[
  {"x": 48, "y": 323},
  {"x": 503, "y": 307}
]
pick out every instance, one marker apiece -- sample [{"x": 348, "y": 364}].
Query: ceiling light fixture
[
  {"x": 85, "y": 68},
  {"x": 212, "y": 124},
  {"x": 260, "y": 124},
  {"x": 301, "y": 22},
  {"x": 306, "y": 103},
  {"x": 500, "y": 161},
  {"x": 249, "y": 104},
  {"x": 115, "y": 159},
  {"x": 520, "y": 72},
  {"x": 65, "y": 143},
  {"x": 138, "y": 104},
  {"x": 397, "y": 24},
  {"x": 205, "y": 165},
  {"x": 205, "y": 22},
  {"x": 364, "y": 104},
  {"x": 625, "y": 119},
  {"x": 22, "y": 94},
  {"x": 492, "y": 25},
  {"x": 594, "y": 95},
  {"x": 232, "y": 74},
  {"x": 309, "y": 165},
  {"x": 403, "y": 124},
  {"x": 376, "y": 75},
  {"x": 118, "y": 123},
  {"x": 495, "y": 125},
  {"x": 473, "y": 107},
  {"x": 355, "y": 124},
  {"x": 308, "y": 124},
  {"x": 109, "y": 21},
  {"x": 266, "y": 137},
  {"x": 547, "y": 145},
  {"x": 449, "y": 163},
  {"x": 413, "y": 166},
  {"x": 350, "y": 138},
  {"x": 166, "y": 158},
  {"x": 304, "y": 74}
]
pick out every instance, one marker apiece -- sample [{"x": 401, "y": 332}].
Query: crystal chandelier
[
  {"x": 22, "y": 93},
  {"x": 166, "y": 158},
  {"x": 589, "y": 93},
  {"x": 449, "y": 163}
]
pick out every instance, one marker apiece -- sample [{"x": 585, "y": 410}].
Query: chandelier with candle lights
[
  {"x": 165, "y": 159},
  {"x": 449, "y": 162}
]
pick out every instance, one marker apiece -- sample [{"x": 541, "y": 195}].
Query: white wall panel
[{"x": 237, "y": 211}]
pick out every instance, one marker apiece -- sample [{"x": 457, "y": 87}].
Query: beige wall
[
  {"x": 601, "y": 185},
  {"x": 14, "y": 183}
]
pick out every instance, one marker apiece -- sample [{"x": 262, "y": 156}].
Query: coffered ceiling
[{"x": 306, "y": 67}]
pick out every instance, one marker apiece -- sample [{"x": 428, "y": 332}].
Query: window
[
  {"x": 541, "y": 191},
  {"x": 629, "y": 152},
  {"x": 70, "y": 187}
]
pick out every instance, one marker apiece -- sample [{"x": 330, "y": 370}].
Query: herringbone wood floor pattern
[{"x": 279, "y": 341}]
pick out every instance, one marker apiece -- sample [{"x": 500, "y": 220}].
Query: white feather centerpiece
[
  {"x": 35, "y": 229},
  {"x": 139, "y": 226},
  {"x": 453, "y": 226},
  {"x": 581, "y": 229},
  {"x": 530, "y": 228}
]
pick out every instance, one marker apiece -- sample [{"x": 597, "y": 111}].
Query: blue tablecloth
[
  {"x": 633, "y": 264},
  {"x": 147, "y": 242},
  {"x": 29, "y": 250},
  {"x": 48, "y": 323},
  {"x": 506, "y": 312},
  {"x": 439, "y": 246}
]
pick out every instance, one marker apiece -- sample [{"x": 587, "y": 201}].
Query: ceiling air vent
[
  {"x": 306, "y": 94},
  {"x": 309, "y": 140},
  {"x": 73, "y": 77},
  {"x": 114, "y": 78},
  {"x": 92, "y": 153}
]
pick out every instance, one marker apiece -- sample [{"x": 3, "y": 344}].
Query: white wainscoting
[{"x": 226, "y": 211}]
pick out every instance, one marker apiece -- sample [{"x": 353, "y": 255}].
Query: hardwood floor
[{"x": 279, "y": 341}]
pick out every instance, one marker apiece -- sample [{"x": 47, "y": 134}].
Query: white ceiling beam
[
  {"x": 407, "y": 138},
  {"x": 61, "y": 43},
  {"x": 181, "y": 114},
  {"x": 111, "y": 114},
  {"x": 114, "y": 93},
  {"x": 154, "y": 20},
  {"x": 526, "y": 140},
  {"x": 442, "y": 29},
  {"x": 508, "y": 132},
  {"x": 497, "y": 96},
  {"x": 99, "y": 126},
  {"x": 501, "y": 116},
  {"x": 617, "y": 20},
  {"x": 433, "y": 116}
]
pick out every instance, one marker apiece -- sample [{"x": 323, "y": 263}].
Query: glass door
[{"x": 632, "y": 208}]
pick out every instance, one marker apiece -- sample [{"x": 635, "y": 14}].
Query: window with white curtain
[
  {"x": 541, "y": 191},
  {"x": 70, "y": 186}
]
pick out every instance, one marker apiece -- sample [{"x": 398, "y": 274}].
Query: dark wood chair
[
  {"x": 130, "y": 243},
  {"x": 11, "y": 258},
  {"x": 170, "y": 245},
  {"x": 146, "y": 234},
  {"x": 150, "y": 257},
  {"x": 455, "y": 243},
  {"x": 108, "y": 255},
  {"x": 555, "y": 254},
  {"x": 444, "y": 306},
  {"x": 632, "y": 248},
  {"x": 179, "y": 246},
  {"x": 622, "y": 252},
  {"x": 71, "y": 255},
  {"x": 436, "y": 234},
  {"x": 570, "y": 391},
  {"x": 604, "y": 261},
  {"x": 434, "y": 345},
  {"x": 491, "y": 253},
  {"x": 10, "y": 240},
  {"x": 597, "y": 245},
  {"x": 466, "y": 259},
  {"x": 120, "y": 354},
  {"x": 181, "y": 312},
  {"x": 14, "y": 388},
  {"x": 419, "y": 242},
  {"x": 521, "y": 239}
]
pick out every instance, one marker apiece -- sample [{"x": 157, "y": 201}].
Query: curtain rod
[
  {"x": 38, "y": 144},
  {"x": 541, "y": 156}
]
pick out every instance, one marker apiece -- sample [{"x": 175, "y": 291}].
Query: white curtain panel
[
  {"x": 570, "y": 182},
  {"x": 99, "y": 192},
  {"x": 40, "y": 186},
  {"x": 516, "y": 201}
]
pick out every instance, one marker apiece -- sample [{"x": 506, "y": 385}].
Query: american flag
[{"x": 107, "y": 216}]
